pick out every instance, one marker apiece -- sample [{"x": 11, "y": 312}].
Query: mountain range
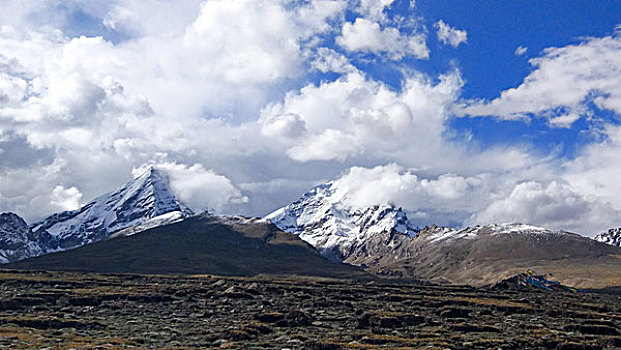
[
  {"x": 201, "y": 244},
  {"x": 102, "y": 236},
  {"x": 144, "y": 202},
  {"x": 384, "y": 241}
]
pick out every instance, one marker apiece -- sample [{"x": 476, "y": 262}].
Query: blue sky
[
  {"x": 488, "y": 62},
  {"x": 249, "y": 103}
]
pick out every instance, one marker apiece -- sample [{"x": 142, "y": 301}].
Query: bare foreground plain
[{"x": 59, "y": 310}]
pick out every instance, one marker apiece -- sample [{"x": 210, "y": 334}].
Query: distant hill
[
  {"x": 202, "y": 244},
  {"x": 484, "y": 255}
]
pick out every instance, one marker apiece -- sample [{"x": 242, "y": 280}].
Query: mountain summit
[
  {"x": 145, "y": 198},
  {"x": 340, "y": 231}
]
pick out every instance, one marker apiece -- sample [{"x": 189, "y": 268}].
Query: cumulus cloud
[
  {"x": 373, "y": 9},
  {"x": 449, "y": 35},
  {"x": 564, "y": 83},
  {"x": 328, "y": 60},
  {"x": 456, "y": 200},
  {"x": 367, "y": 36},
  {"x": 288, "y": 126},
  {"x": 355, "y": 118},
  {"x": 197, "y": 187},
  {"x": 593, "y": 172},
  {"x": 555, "y": 205},
  {"x": 448, "y": 199}
]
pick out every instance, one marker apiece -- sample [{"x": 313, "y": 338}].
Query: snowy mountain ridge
[
  {"x": 378, "y": 234},
  {"x": 18, "y": 241},
  {"x": 334, "y": 228},
  {"x": 611, "y": 237}
]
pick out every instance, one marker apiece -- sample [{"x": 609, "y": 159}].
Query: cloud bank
[{"x": 248, "y": 104}]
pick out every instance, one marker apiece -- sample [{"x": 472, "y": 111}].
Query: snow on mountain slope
[
  {"x": 445, "y": 234},
  {"x": 17, "y": 241},
  {"x": 381, "y": 237},
  {"x": 612, "y": 237},
  {"x": 336, "y": 230},
  {"x": 138, "y": 201}
]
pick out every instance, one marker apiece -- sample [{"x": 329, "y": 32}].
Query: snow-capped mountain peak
[
  {"x": 612, "y": 237},
  {"x": 335, "y": 228},
  {"x": 138, "y": 201}
]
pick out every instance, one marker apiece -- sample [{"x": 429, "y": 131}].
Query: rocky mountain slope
[
  {"x": 146, "y": 198},
  {"x": 201, "y": 244},
  {"x": 612, "y": 237},
  {"x": 18, "y": 241},
  {"x": 483, "y": 255},
  {"x": 385, "y": 242}
]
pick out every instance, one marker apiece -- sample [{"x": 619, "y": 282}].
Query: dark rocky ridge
[{"x": 202, "y": 244}]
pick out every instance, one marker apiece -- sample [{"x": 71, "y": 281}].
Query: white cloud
[
  {"x": 66, "y": 198},
  {"x": 242, "y": 54},
  {"x": 165, "y": 18},
  {"x": 449, "y": 35},
  {"x": 329, "y": 145},
  {"x": 359, "y": 119},
  {"x": 328, "y": 60},
  {"x": 373, "y": 9},
  {"x": 367, "y": 36},
  {"x": 482, "y": 199},
  {"x": 565, "y": 81},
  {"x": 288, "y": 126},
  {"x": 448, "y": 199},
  {"x": 198, "y": 187},
  {"x": 594, "y": 171},
  {"x": 520, "y": 50},
  {"x": 555, "y": 205}
]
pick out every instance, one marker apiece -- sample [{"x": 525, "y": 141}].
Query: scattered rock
[
  {"x": 473, "y": 327},
  {"x": 454, "y": 313},
  {"x": 593, "y": 329}
]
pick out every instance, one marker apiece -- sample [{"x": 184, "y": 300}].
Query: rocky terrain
[{"x": 56, "y": 310}]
